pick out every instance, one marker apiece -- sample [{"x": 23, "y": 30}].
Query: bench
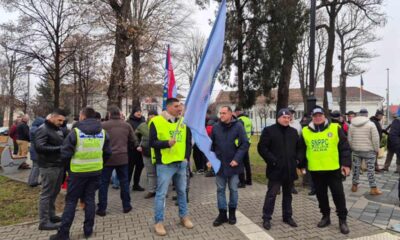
[{"x": 9, "y": 162}]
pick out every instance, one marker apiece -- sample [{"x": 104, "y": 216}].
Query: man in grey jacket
[{"x": 364, "y": 141}]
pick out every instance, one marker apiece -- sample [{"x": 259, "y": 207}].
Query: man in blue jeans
[
  {"x": 83, "y": 151},
  {"x": 171, "y": 143},
  {"x": 121, "y": 133},
  {"x": 230, "y": 144}
]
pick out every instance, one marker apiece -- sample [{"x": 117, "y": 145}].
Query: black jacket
[
  {"x": 89, "y": 126},
  {"x": 158, "y": 144},
  {"x": 23, "y": 131},
  {"x": 223, "y": 138},
  {"x": 343, "y": 145},
  {"x": 394, "y": 137},
  {"x": 135, "y": 122},
  {"x": 48, "y": 141},
  {"x": 378, "y": 125},
  {"x": 279, "y": 147}
]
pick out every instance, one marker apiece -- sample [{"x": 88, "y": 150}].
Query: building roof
[{"x": 353, "y": 94}]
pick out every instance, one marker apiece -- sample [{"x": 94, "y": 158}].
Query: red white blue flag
[{"x": 169, "y": 90}]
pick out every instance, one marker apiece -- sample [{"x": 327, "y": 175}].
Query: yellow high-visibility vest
[
  {"x": 88, "y": 156},
  {"x": 322, "y": 148},
  {"x": 165, "y": 132}
]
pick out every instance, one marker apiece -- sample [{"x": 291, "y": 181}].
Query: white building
[{"x": 264, "y": 111}]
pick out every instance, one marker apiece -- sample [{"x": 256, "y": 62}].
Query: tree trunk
[
  {"x": 329, "y": 55},
  {"x": 283, "y": 86},
  {"x": 136, "y": 63},
  {"x": 117, "y": 90},
  {"x": 56, "y": 77},
  {"x": 11, "y": 101},
  {"x": 240, "y": 20},
  {"x": 343, "y": 77}
]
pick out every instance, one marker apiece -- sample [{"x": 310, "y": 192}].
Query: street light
[
  {"x": 28, "y": 68},
  {"x": 387, "y": 98}
]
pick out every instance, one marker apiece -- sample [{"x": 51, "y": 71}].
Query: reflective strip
[{"x": 84, "y": 161}]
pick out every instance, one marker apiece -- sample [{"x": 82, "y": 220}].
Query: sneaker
[
  {"x": 160, "y": 229},
  {"x": 186, "y": 222},
  {"x": 267, "y": 224}
]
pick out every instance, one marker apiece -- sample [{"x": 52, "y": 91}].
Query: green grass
[
  {"x": 18, "y": 202},
  {"x": 258, "y": 164}
]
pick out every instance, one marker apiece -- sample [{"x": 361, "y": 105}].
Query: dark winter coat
[
  {"x": 394, "y": 136},
  {"x": 23, "y": 131},
  {"x": 378, "y": 125},
  {"x": 88, "y": 126},
  {"x": 35, "y": 125},
  {"x": 279, "y": 147},
  {"x": 135, "y": 155},
  {"x": 48, "y": 141},
  {"x": 343, "y": 145},
  {"x": 223, "y": 138},
  {"x": 121, "y": 136},
  {"x": 142, "y": 132}
]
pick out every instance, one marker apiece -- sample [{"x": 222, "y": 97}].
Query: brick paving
[{"x": 367, "y": 217}]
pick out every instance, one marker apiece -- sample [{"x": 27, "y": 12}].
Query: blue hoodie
[{"x": 35, "y": 125}]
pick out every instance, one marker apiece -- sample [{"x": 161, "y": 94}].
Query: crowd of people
[{"x": 95, "y": 152}]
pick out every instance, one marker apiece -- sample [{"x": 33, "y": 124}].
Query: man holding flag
[{"x": 172, "y": 144}]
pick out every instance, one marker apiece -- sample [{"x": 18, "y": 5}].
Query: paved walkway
[{"x": 369, "y": 217}]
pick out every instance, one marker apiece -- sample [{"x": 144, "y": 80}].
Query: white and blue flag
[{"x": 200, "y": 91}]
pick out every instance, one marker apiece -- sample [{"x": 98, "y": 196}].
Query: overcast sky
[{"x": 388, "y": 50}]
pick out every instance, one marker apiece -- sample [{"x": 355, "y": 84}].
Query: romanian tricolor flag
[{"x": 169, "y": 90}]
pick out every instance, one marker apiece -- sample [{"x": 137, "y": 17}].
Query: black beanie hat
[{"x": 283, "y": 111}]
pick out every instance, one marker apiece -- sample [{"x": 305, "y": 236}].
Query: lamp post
[
  {"x": 28, "y": 68},
  {"x": 311, "y": 100},
  {"x": 387, "y": 98}
]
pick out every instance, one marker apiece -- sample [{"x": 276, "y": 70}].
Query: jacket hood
[
  {"x": 38, "y": 121},
  {"x": 359, "y": 121},
  {"x": 90, "y": 126},
  {"x": 242, "y": 115}
]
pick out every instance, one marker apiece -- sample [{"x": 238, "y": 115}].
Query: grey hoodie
[{"x": 363, "y": 135}]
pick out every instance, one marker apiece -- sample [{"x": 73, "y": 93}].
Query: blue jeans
[
  {"x": 84, "y": 188},
  {"x": 114, "y": 180},
  {"x": 233, "y": 191},
  {"x": 165, "y": 173},
  {"x": 122, "y": 173}
]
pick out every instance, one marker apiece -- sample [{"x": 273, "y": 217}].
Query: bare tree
[
  {"x": 370, "y": 8},
  {"x": 302, "y": 62},
  {"x": 48, "y": 24},
  {"x": 354, "y": 31},
  {"x": 192, "y": 50},
  {"x": 13, "y": 67}
]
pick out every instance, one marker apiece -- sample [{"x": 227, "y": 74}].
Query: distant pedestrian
[
  {"x": 245, "y": 177},
  {"x": 143, "y": 133},
  {"x": 326, "y": 153},
  {"x": 23, "y": 139},
  {"x": 33, "y": 179},
  {"x": 83, "y": 152},
  {"x": 230, "y": 144},
  {"x": 135, "y": 157},
  {"x": 279, "y": 147},
  {"x": 121, "y": 136},
  {"x": 48, "y": 141},
  {"x": 364, "y": 142},
  {"x": 171, "y": 141},
  {"x": 14, "y": 134},
  {"x": 377, "y": 120}
]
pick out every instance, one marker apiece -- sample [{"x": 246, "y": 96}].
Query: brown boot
[
  {"x": 160, "y": 229},
  {"x": 186, "y": 222},
  {"x": 354, "y": 188},
  {"x": 375, "y": 191}
]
